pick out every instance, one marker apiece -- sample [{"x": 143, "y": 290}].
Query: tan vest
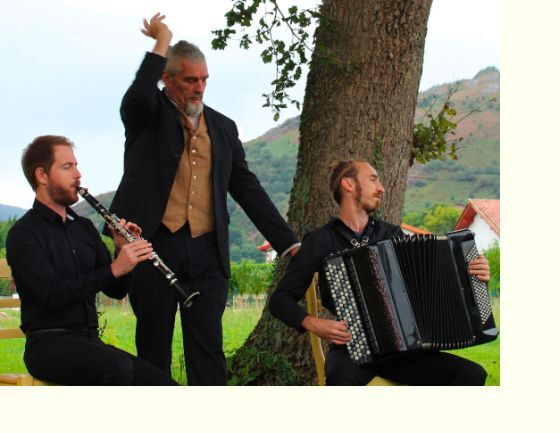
[{"x": 191, "y": 194}]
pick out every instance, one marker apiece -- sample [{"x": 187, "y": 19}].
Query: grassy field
[
  {"x": 119, "y": 327},
  {"x": 120, "y": 322}
]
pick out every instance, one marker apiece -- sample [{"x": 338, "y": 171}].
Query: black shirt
[
  {"x": 58, "y": 267},
  {"x": 315, "y": 246}
]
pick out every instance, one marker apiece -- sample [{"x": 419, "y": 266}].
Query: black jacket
[{"x": 153, "y": 147}]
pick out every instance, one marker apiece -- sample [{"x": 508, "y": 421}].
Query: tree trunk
[{"x": 365, "y": 111}]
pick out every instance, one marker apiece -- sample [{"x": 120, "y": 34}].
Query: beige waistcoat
[{"x": 191, "y": 194}]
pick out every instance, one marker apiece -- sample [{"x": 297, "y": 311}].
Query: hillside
[
  {"x": 476, "y": 173},
  {"x": 7, "y": 212}
]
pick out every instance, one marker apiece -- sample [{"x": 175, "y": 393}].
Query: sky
[{"x": 67, "y": 63}]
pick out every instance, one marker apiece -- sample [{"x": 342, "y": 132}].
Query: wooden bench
[
  {"x": 13, "y": 379},
  {"x": 314, "y": 307}
]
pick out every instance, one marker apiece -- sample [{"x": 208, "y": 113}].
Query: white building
[
  {"x": 482, "y": 217},
  {"x": 269, "y": 252}
]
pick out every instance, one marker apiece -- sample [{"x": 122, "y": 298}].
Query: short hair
[
  {"x": 40, "y": 153},
  {"x": 338, "y": 171},
  {"x": 182, "y": 50}
]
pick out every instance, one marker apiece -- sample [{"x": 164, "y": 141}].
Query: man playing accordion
[{"x": 357, "y": 189}]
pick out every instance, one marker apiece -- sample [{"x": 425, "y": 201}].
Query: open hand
[{"x": 156, "y": 28}]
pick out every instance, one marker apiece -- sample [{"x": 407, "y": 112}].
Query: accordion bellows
[{"x": 410, "y": 293}]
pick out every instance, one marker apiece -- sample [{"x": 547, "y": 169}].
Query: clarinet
[{"x": 187, "y": 295}]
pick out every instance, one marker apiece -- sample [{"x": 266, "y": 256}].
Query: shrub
[
  {"x": 5, "y": 289},
  {"x": 414, "y": 218},
  {"x": 250, "y": 278},
  {"x": 441, "y": 218}
]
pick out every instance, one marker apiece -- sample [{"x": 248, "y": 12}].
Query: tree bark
[{"x": 362, "y": 107}]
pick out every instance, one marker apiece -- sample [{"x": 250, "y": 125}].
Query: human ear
[
  {"x": 166, "y": 78},
  {"x": 41, "y": 176},
  {"x": 347, "y": 184}
]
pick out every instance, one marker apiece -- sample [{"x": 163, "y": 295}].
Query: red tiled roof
[
  {"x": 265, "y": 246},
  {"x": 489, "y": 211},
  {"x": 413, "y": 229}
]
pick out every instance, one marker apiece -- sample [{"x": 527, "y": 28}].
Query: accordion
[{"x": 410, "y": 293}]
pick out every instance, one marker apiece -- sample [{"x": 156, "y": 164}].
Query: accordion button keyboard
[
  {"x": 343, "y": 299},
  {"x": 480, "y": 290}
]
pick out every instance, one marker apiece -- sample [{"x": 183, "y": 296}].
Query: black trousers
[
  {"x": 81, "y": 358},
  {"x": 195, "y": 262},
  {"x": 416, "y": 368}
]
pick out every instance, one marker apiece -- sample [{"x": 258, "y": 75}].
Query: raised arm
[
  {"x": 140, "y": 100},
  {"x": 158, "y": 30}
]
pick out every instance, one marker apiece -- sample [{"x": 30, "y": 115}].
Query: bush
[
  {"x": 414, "y": 218},
  {"x": 5, "y": 289},
  {"x": 492, "y": 254},
  {"x": 441, "y": 219},
  {"x": 250, "y": 278}
]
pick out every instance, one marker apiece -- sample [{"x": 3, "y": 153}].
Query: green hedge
[{"x": 250, "y": 278}]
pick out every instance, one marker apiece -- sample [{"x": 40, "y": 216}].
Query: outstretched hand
[{"x": 156, "y": 28}]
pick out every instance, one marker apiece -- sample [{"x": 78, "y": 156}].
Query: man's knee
[
  {"x": 472, "y": 374},
  {"x": 119, "y": 372},
  {"x": 341, "y": 371}
]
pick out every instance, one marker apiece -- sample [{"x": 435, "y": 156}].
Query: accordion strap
[{"x": 368, "y": 232}]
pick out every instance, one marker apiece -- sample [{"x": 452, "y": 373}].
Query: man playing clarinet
[
  {"x": 357, "y": 189},
  {"x": 59, "y": 263}
]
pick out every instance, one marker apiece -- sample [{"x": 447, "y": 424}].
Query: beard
[
  {"x": 361, "y": 203},
  {"x": 62, "y": 196},
  {"x": 194, "y": 109}
]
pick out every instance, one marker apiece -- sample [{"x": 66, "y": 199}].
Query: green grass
[
  {"x": 237, "y": 323},
  {"x": 121, "y": 323},
  {"x": 119, "y": 327},
  {"x": 11, "y": 351}
]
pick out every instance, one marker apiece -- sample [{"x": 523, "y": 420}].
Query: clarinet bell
[{"x": 189, "y": 296}]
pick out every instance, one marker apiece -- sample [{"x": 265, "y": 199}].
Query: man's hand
[
  {"x": 130, "y": 255},
  {"x": 329, "y": 330},
  {"x": 158, "y": 30},
  {"x": 121, "y": 241},
  {"x": 480, "y": 269}
]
